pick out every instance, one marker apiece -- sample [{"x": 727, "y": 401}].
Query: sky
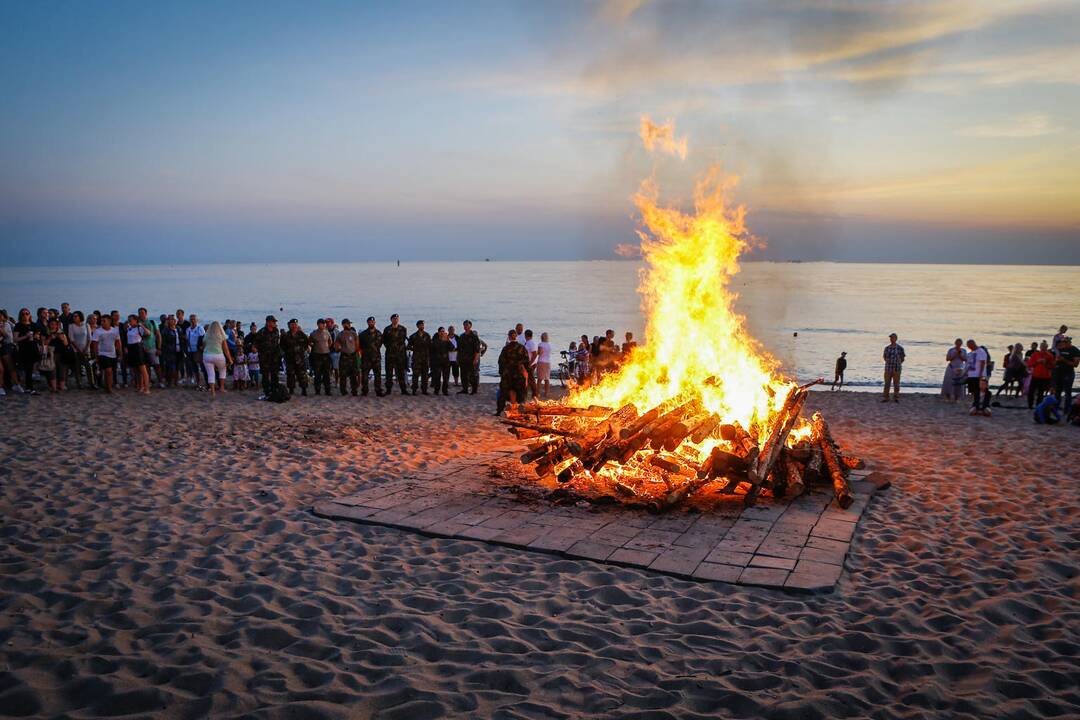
[{"x": 135, "y": 132}]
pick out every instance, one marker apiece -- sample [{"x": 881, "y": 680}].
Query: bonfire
[{"x": 702, "y": 407}]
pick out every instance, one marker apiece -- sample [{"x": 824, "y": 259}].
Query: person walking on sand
[
  {"x": 894, "y": 361},
  {"x": 978, "y": 361},
  {"x": 955, "y": 371},
  {"x": 838, "y": 371},
  {"x": 513, "y": 373},
  {"x": 1041, "y": 370},
  {"x": 1068, "y": 357},
  {"x": 216, "y": 357}
]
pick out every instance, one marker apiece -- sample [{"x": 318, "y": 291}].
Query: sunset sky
[{"x": 198, "y": 132}]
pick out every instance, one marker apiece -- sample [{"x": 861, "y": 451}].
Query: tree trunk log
[{"x": 832, "y": 462}]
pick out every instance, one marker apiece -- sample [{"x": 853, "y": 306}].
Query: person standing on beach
[
  {"x": 530, "y": 347},
  {"x": 543, "y": 365},
  {"x": 151, "y": 343},
  {"x": 216, "y": 358},
  {"x": 321, "y": 343},
  {"x": 268, "y": 346},
  {"x": 513, "y": 373},
  {"x": 440, "y": 361},
  {"x": 838, "y": 371},
  {"x": 978, "y": 361},
  {"x": 420, "y": 345},
  {"x": 1068, "y": 357},
  {"x": 348, "y": 344},
  {"x": 955, "y": 371},
  {"x": 294, "y": 346},
  {"x": 79, "y": 340},
  {"x": 370, "y": 359},
  {"x": 105, "y": 346},
  {"x": 894, "y": 361},
  {"x": 470, "y": 349},
  {"x": 629, "y": 345},
  {"x": 172, "y": 352},
  {"x": 196, "y": 337},
  {"x": 1058, "y": 338},
  {"x": 395, "y": 339},
  {"x": 1041, "y": 369},
  {"x": 451, "y": 335},
  {"x": 135, "y": 356}
]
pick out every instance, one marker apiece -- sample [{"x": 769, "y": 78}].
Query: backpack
[{"x": 278, "y": 394}]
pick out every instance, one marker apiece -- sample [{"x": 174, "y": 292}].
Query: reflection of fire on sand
[{"x": 701, "y": 406}]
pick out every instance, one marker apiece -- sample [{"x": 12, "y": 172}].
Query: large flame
[{"x": 697, "y": 345}]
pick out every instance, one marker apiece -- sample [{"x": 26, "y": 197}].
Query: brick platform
[{"x": 798, "y": 545}]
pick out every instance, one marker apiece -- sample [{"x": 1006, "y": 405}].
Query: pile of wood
[{"x": 652, "y": 458}]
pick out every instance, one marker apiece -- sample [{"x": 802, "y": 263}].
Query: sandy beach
[{"x": 161, "y": 559}]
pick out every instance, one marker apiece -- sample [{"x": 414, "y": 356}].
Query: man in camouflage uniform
[
  {"x": 395, "y": 337},
  {"x": 370, "y": 361},
  {"x": 470, "y": 349},
  {"x": 268, "y": 345},
  {"x": 294, "y": 345},
  {"x": 440, "y": 361},
  {"x": 322, "y": 342},
  {"x": 513, "y": 373},
  {"x": 420, "y": 345},
  {"x": 347, "y": 343}
]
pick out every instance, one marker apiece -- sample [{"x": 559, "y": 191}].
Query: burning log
[
  {"x": 775, "y": 441},
  {"x": 682, "y": 429},
  {"x": 851, "y": 462},
  {"x": 640, "y": 423},
  {"x": 523, "y": 433},
  {"x": 666, "y": 462},
  {"x": 832, "y": 462},
  {"x": 677, "y": 495},
  {"x": 744, "y": 445},
  {"x": 543, "y": 429},
  {"x": 793, "y": 476},
  {"x": 539, "y": 409},
  {"x": 705, "y": 428}
]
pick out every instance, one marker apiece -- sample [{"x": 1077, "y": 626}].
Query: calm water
[{"x": 831, "y": 306}]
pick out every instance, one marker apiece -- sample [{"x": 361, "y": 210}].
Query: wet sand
[{"x": 160, "y": 558}]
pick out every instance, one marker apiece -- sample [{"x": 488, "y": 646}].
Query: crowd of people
[
  {"x": 1044, "y": 373},
  {"x": 62, "y": 347}
]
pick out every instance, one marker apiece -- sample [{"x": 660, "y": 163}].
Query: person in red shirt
[{"x": 1041, "y": 366}]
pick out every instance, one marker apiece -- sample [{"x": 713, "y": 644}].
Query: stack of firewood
[{"x": 653, "y": 458}]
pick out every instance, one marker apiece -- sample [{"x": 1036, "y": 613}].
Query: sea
[{"x": 805, "y": 314}]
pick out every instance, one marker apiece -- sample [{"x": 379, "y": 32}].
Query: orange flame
[
  {"x": 662, "y": 137},
  {"x": 697, "y": 345}
]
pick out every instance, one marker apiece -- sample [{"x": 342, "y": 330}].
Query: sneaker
[
  {"x": 263, "y": 397},
  {"x": 974, "y": 411},
  {"x": 3, "y": 392},
  {"x": 17, "y": 389}
]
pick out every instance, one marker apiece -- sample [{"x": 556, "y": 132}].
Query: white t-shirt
[
  {"x": 521, "y": 339},
  {"x": 530, "y": 347},
  {"x": 106, "y": 340},
  {"x": 543, "y": 353},
  {"x": 134, "y": 335},
  {"x": 453, "y": 353},
  {"x": 193, "y": 335},
  {"x": 976, "y": 356}
]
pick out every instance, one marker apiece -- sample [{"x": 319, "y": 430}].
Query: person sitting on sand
[
  {"x": 894, "y": 361},
  {"x": 838, "y": 371},
  {"x": 1047, "y": 411}
]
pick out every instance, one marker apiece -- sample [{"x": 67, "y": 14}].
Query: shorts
[
  {"x": 543, "y": 371},
  {"x": 335, "y": 358},
  {"x": 106, "y": 363},
  {"x": 134, "y": 355}
]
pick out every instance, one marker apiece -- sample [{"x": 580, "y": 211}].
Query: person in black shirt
[
  {"x": 1068, "y": 357},
  {"x": 841, "y": 366}
]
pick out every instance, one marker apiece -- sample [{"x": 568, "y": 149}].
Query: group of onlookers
[{"x": 588, "y": 361}]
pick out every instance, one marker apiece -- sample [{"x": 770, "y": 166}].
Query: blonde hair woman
[{"x": 216, "y": 357}]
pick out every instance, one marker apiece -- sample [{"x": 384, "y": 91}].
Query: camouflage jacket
[
  {"x": 268, "y": 344},
  {"x": 370, "y": 341},
  {"x": 420, "y": 344},
  {"x": 294, "y": 346},
  {"x": 513, "y": 360},
  {"x": 468, "y": 345},
  {"x": 394, "y": 340},
  {"x": 440, "y": 351}
]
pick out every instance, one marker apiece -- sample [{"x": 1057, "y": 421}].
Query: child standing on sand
[
  {"x": 240, "y": 373},
  {"x": 253, "y": 366}
]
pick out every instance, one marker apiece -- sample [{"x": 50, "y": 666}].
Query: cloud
[{"x": 1022, "y": 126}]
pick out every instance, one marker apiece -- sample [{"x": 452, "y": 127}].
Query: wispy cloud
[{"x": 1022, "y": 126}]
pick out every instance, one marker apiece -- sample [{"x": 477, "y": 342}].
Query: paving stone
[
  {"x": 808, "y": 583},
  {"x": 477, "y": 515},
  {"x": 509, "y": 520},
  {"x": 714, "y": 571},
  {"x": 778, "y": 550},
  {"x": 769, "y": 561},
  {"x": 765, "y": 513},
  {"x": 696, "y": 539},
  {"x": 392, "y": 516},
  {"x": 834, "y": 530},
  {"x": 679, "y": 560},
  {"x": 389, "y": 501},
  {"x": 750, "y": 527},
  {"x": 558, "y": 540},
  {"x": 652, "y": 540},
  {"x": 743, "y": 546},
  {"x": 333, "y": 510},
  {"x": 521, "y": 536},
  {"x": 787, "y": 537},
  {"x": 351, "y": 501},
  {"x": 765, "y": 577},
  {"x": 446, "y": 528},
  {"x": 723, "y": 556},
  {"x": 827, "y": 544},
  {"x": 825, "y": 571},
  {"x": 479, "y": 532},
  {"x": 831, "y": 557},
  {"x": 637, "y": 558},
  {"x": 590, "y": 550},
  {"x": 614, "y": 534}
]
